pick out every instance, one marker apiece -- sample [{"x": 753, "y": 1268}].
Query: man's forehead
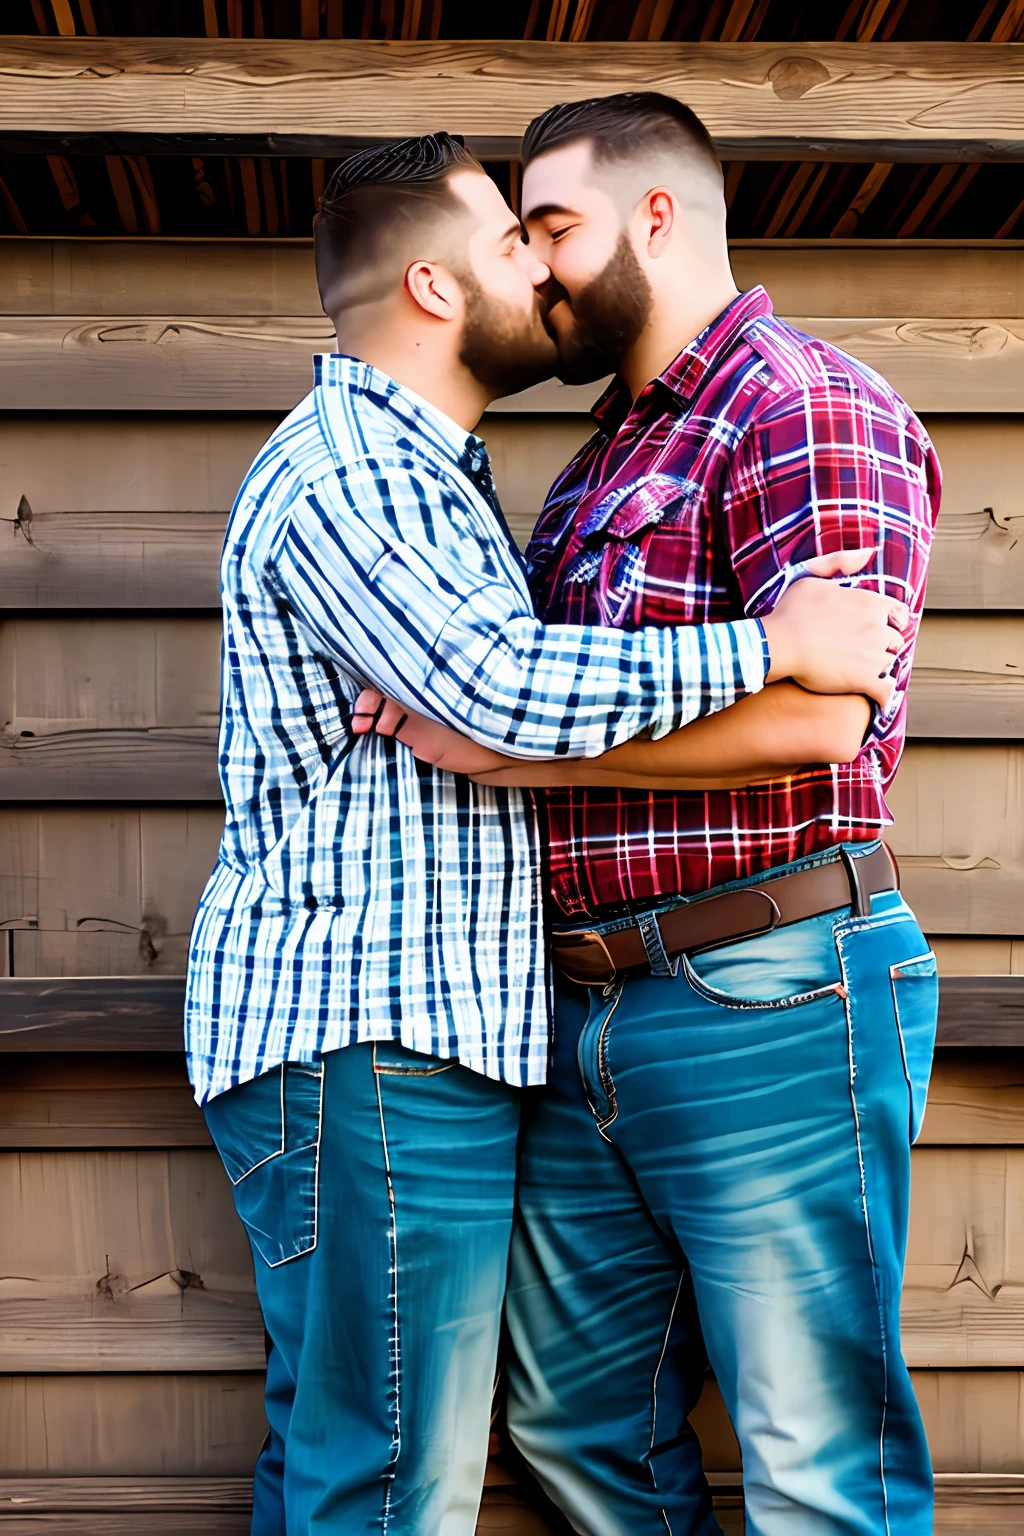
[
  {"x": 482, "y": 197},
  {"x": 558, "y": 178}
]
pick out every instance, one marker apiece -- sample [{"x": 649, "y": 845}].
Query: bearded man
[{"x": 746, "y": 1013}]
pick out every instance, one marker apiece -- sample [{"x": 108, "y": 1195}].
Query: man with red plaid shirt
[{"x": 745, "y": 1006}]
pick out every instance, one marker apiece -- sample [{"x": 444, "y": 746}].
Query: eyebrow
[
  {"x": 543, "y": 209},
  {"x": 515, "y": 228}
]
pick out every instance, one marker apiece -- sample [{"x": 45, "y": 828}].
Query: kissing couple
[{"x": 553, "y": 968}]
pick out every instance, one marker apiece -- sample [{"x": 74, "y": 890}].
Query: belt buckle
[{"x": 581, "y": 941}]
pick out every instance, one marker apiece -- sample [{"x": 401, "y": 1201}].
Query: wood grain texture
[
  {"x": 963, "y": 1293},
  {"x": 206, "y": 1424},
  {"x": 263, "y": 363},
  {"x": 118, "y": 1260},
  {"x": 959, "y": 837},
  {"x": 91, "y": 1013},
  {"x": 68, "y": 560},
  {"x": 109, "y": 765},
  {"x": 157, "y": 276},
  {"x": 139, "y": 560},
  {"x": 131, "y": 1013},
  {"x": 144, "y": 464},
  {"x": 182, "y": 1506},
  {"x": 88, "y": 891},
  {"x": 98, "y": 1100},
  {"x": 975, "y": 1098},
  {"x": 968, "y": 678},
  {"x": 126, "y": 708},
  {"x": 964, "y": 1502},
  {"x": 915, "y": 101}
]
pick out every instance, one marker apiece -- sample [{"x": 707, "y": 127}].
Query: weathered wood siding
[{"x": 141, "y": 378}]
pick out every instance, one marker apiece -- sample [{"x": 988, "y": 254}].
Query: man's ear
[
  {"x": 434, "y": 290},
  {"x": 659, "y": 210}
]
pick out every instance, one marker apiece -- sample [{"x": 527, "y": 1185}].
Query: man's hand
[
  {"x": 834, "y": 639},
  {"x": 426, "y": 739}
]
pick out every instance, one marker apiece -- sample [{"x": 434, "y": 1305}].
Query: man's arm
[
  {"x": 385, "y": 570},
  {"x": 766, "y": 736}
]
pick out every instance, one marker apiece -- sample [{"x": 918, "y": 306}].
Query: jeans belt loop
[
  {"x": 860, "y": 899},
  {"x": 654, "y": 946}
]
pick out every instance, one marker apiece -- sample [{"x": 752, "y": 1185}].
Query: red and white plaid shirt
[{"x": 756, "y": 449}]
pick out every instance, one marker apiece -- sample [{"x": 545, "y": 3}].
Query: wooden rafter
[{"x": 921, "y": 101}]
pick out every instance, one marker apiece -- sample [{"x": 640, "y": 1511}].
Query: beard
[
  {"x": 504, "y": 350},
  {"x": 608, "y": 316}
]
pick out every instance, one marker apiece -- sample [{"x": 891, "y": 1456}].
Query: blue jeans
[
  {"x": 377, "y": 1190},
  {"x": 723, "y": 1160}
]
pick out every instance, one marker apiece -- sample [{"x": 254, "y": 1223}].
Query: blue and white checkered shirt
[{"x": 360, "y": 895}]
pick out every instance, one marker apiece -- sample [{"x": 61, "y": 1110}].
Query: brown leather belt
[{"x": 658, "y": 939}]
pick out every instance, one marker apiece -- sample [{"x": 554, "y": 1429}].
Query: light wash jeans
[
  {"x": 741, "y": 1172},
  {"x": 377, "y": 1190}
]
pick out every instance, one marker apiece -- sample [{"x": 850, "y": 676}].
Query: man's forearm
[{"x": 762, "y": 737}]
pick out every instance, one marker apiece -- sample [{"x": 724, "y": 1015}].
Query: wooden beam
[
  {"x": 159, "y": 763},
  {"x": 216, "y": 1506},
  {"x": 169, "y": 560},
  {"x": 947, "y": 704},
  {"x": 179, "y": 763},
  {"x": 108, "y": 1425},
  {"x": 144, "y": 275},
  {"x": 104, "y": 560},
  {"x": 132, "y": 1013},
  {"x": 981, "y": 1011},
  {"x": 201, "y": 1506},
  {"x": 133, "y": 276},
  {"x": 121, "y": 1099},
  {"x": 975, "y": 1098},
  {"x": 261, "y": 363},
  {"x": 106, "y": 1100},
  {"x": 91, "y": 1013},
  {"x": 897, "y": 101}
]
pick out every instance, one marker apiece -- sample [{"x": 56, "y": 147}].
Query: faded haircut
[
  {"x": 628, "y": 127},
  {"x": 380, "y": 211}
]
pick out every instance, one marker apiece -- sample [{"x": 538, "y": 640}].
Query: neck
[
  {"x": 417, "y": 364},
  {"x": 677, "y": 316}
]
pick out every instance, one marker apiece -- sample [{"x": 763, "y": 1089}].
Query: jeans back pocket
[
  {"x": 915, "y": 998},
  {"x": 267, "y": 1132}
]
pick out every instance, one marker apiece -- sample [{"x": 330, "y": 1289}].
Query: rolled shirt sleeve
[{"x": 393, "y": 575}]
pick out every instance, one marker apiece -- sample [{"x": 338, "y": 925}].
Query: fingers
[
  {"x": 373, "y": 712},
  {"x": 881, "y": 690},
  {"x": 391, "y": 718},
  {"x": 842, "y": 562},
  {"x": 366, "y": 710}
]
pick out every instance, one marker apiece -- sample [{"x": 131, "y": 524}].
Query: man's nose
[{"x": 539, "y": 271}]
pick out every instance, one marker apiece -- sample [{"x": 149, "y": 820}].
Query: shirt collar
[
  {"x": 685, "y": 373},
  {"x": 336, "y": 370}
]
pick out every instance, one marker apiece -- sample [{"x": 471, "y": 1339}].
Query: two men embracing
[{"x": 552, "y": 961}]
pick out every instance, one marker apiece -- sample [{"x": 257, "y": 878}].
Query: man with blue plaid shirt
[{"x": 368, "y": 981}]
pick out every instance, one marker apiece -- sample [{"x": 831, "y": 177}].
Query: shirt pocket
[
  {"x": 267, "y": 1132},
  {"x": 619, "y": 535}
]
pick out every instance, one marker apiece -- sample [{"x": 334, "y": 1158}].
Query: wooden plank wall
[{"x": 130, "y": 1342}]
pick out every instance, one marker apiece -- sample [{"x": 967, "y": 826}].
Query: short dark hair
[
  {"x": 620, "y": 127},
  {"x": 376, "y": 205}
]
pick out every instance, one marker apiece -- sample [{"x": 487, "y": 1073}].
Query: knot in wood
[{"x": 792, "y": 78}]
